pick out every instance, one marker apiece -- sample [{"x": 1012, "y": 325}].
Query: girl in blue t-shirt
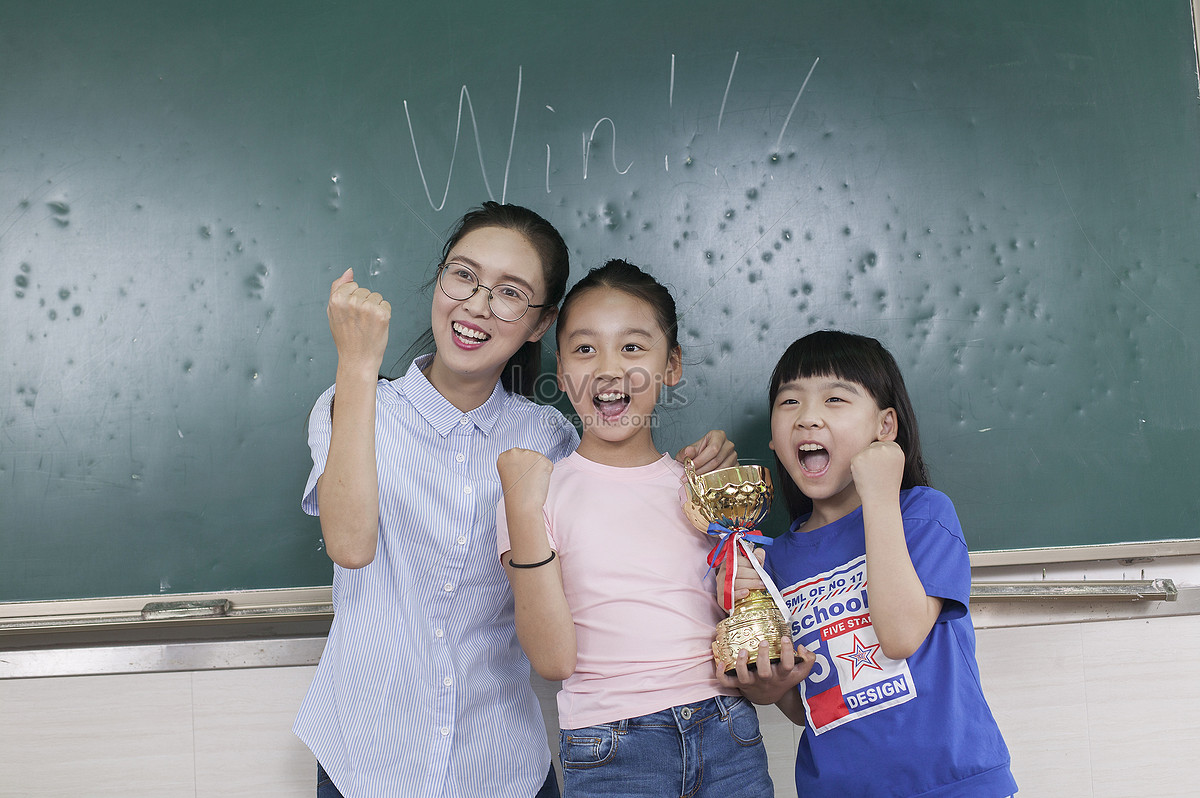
[{"x": 875, "y": 571}]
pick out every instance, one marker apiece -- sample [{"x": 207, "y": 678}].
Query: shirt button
[
  {"x": 438, "y": 633},
  {"x": 466, "y": 488},
  {"x": 465, "y": 420},
  {"x": 462, "y": 541},
  {"x": 447, "y": 681},
  {"x": 461, "y": 457},
  {"x": 445, "y": 730},
  {"x": 448, "y": 587}
]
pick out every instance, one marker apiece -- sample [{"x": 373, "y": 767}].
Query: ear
[
  {"x": 548, "y": 317},
  {"x": 889, "y": 425},
  {"x": 674, "y": 370}
]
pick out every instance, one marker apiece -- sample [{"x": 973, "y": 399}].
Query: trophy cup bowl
[{"x": 738, "y": 498}]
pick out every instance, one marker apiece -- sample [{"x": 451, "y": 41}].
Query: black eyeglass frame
[{"x": 490, "y": 290}]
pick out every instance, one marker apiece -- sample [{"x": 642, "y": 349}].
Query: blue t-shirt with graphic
[{"x": 876, "y": 726}]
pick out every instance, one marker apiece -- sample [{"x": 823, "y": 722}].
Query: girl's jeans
[{"x": 709, "y": 749}]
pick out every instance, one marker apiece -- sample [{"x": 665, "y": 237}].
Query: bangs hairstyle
[{"x": 854, "y": 358}]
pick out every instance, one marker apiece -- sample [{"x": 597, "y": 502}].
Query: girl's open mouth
[
  {"x": 611, "y": 404},
  {"x": 814, "y": 459}
]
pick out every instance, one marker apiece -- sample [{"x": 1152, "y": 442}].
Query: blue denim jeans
[
  {"x": 709, "y": 749},
  {"x": 325, "y": 785},
  {"x": 326, "y": 788}
]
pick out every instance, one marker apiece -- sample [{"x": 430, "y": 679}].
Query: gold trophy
[{"x": 731, "y": 502}]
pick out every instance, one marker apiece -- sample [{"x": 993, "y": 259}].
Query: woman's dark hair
[
  {"x": 623, "y": 276},
  {"x": 855, "y": 358},
  {"x": 523, "y": 368}
]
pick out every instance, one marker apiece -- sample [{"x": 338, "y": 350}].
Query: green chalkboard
[{"x": 1007, "y": 193}]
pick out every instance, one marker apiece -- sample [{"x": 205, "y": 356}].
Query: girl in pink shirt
[{"x": 610, "y": 579}]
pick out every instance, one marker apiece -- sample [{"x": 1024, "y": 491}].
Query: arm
[
  {"x": 711, "y": 452},
  {"x": 544, "y": 624},
  {"x": 772, "y": 683},
  {"x": 348, "y": 490},
  {"x": 901, "y": 612}
]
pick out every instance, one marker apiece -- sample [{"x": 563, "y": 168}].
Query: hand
[
  {"x": 525, "y": 478},
  {"x": 358, "y": 319},
  {"x": 878, "y": 471},
  {"x": 747, "y": 578},
  {"x": 768, "y": 682},
  {"x": 711, "y": 452}
]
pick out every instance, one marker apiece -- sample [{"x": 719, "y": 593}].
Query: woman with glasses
[{"x": 422, "y": 688}]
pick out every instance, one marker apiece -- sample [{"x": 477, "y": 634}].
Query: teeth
[
  {"x": 811, "y": 447},
  {"x": 467, "y": 332},
  {"x": 613, "y": 396}
]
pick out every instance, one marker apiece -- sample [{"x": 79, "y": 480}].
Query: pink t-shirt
[{"x": 634, "y": 573}]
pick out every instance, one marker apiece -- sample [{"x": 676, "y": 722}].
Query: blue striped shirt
[{"x": 423, "y": 689}]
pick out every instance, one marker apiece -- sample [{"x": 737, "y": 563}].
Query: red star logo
[{"x": 861, "y": 657}]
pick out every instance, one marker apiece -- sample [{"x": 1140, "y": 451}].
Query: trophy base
[
  {"x": 752, "y": 665},
  {"x": 754, "y": 619}
]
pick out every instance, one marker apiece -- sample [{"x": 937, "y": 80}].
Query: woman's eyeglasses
[{"x": 507, "y": 302}]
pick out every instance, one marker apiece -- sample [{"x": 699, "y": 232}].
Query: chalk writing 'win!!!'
[{"x": 464, "y": 98}]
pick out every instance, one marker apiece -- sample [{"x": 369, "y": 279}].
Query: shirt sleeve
[
  {"x": 320, "y": 426},
  {"x": 939, "y": 552},
  {"x": 565, "y": 439}
]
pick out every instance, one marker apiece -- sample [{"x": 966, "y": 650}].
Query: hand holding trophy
[{"x": 729, "y": 504}]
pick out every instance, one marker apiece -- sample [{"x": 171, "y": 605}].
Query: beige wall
[{"x": 1096, "y": 710}]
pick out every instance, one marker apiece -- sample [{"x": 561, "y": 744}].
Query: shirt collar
[{"x": 437, "y": 410}]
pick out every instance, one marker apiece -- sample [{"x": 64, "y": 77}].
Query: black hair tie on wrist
[{"x": 532, "y": 564}]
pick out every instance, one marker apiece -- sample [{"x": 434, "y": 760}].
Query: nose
[
  {"x": 808, "y": 417},
  {"x": 479, "y": 303},
  {"x": 608, "y": 365}
]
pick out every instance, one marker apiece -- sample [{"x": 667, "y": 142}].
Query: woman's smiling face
[{"x": 472, "y": 344}]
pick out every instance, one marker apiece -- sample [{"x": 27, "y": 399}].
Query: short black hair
[{"x": 855, "y": 358}]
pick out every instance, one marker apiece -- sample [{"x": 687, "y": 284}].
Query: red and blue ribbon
[{"x": 725, "y": 552}]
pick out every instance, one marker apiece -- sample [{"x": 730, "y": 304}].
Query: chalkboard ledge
[
  {"x": 1124, "y": 552},
  {"x": 205, "y": 615},
  {"x": 992, "y": 606}
]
